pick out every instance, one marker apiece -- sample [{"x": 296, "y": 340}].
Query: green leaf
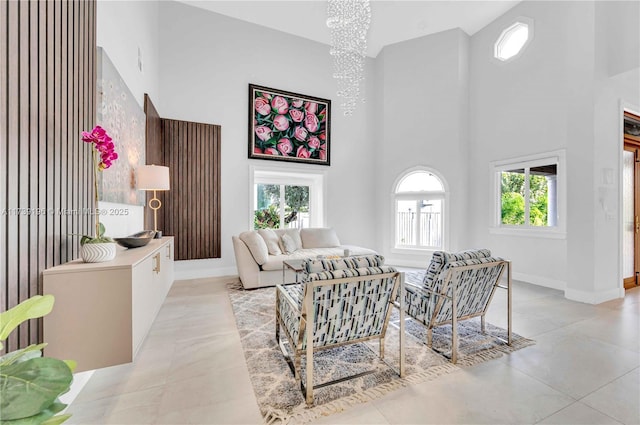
[
  {"x": 27, "y": 388},
  {"x": 31, "y": 352},
  {"x": 101, "y": 230},
  {"x": 46, "y": 417},
  {"x": 33, "y": 308},
  {"x": 56, "y": 420},
  {"x": 71, "y": 364}
]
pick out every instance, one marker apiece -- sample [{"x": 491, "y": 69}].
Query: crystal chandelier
[{"x": 349, "y": 22}]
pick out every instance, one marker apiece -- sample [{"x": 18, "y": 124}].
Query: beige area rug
[{"x": 280, "y": 398}]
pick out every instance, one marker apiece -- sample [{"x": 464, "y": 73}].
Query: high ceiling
[{"x": 391, "y": 21}]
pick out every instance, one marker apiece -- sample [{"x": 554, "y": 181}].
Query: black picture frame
[{"x": 287, "y": 126}]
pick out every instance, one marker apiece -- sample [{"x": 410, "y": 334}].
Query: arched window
[{"x": 419, "y": 199}]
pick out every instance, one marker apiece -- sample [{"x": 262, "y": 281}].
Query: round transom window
[
  {"x": 512, "y": 41},
  {"x": 420, "y": 181}
]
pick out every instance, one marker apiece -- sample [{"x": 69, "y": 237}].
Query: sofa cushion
[
  {"x": 275, "y": 261},
  {"x": 319, "y": 238},
  {"x": 271, "y": 239},
  {"x": 293, "y": 233},
  {"x": 288, "y": 245},
  {"x": 256, "y": 245}
]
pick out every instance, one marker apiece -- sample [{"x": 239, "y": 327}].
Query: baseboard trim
[
  {"x": 592, "y": 297},
  {"x": 407, "y": 263},
  {"x": 560, "y": 285},
  {"x": 185, "y": 270},
  {"x": 80, "y": 379}
]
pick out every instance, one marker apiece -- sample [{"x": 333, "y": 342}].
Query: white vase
[{"x": 98, "y": 252}]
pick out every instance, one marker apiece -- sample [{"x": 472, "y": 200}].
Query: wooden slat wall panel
[
  {"x": 154, "y": 155},
  {"x": 191, "y": 209},
  {"x": 47, "y": 97}
]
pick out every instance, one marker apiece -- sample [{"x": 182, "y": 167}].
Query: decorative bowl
[{"x": 136, "y": 240}]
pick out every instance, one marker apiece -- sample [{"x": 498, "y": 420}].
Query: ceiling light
[{"x": 349, "y": 22}]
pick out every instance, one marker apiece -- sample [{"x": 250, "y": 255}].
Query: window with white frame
[
  {"x": 513, "y": 40},
  {"x": 286, "y": 199},
  {"x": 419, "y": 200},
  {"x": 529, "y": 193}
]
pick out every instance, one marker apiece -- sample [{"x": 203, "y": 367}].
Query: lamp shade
[{"x": 152, "y": 177}]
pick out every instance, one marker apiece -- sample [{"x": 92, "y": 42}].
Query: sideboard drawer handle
[{"x": 157, "y": 266}]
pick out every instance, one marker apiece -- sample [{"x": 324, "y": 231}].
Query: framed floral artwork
[{"x": 285, "y": 126}]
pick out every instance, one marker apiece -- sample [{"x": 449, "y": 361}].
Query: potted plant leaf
[{"x": 29, "y": 383}]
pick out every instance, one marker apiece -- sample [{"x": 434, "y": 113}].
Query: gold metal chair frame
[
  {"x": 454, "y": 296},
  {"x": 307, "y": 327}
]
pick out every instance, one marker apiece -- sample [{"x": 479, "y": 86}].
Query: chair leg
[
  {"x": 296, "y": 368},
  {"x": 454, "y": 342},
  {"x": 430, "y": 338},
  {"x": 483, "y": 324},
  {"x": 382, "y": 348}
]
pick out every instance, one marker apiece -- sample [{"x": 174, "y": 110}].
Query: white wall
[
  {"x": 207, "y": 61},
  {"x": 122, "y": 28},
  {"x": 422, "y": 120},
  {"x": 553, "y": 97},
  {"x": 440, "y": 101}
]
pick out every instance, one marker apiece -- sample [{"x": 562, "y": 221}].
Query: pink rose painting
[{"x": 286, "y": 126}]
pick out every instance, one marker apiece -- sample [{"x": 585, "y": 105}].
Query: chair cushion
[
  {"x": 440, "y": 259},
  {"x": 314, "y": 266},
  {"x": 344, "y": 273}
]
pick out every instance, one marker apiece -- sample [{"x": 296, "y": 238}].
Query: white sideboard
[{"x": 103, "y": 311}]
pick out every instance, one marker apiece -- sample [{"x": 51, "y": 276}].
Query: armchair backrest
[
  {"x": 322, "y": 264},
  {"x": 471, "y": 283},
  {"x": 349, "y": 304},
  {"x": 440, "y": 259}
]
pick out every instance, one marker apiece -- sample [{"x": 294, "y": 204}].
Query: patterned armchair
[
  {"x": 351, "y": 300},
  {"x": 457, "y": 287}
]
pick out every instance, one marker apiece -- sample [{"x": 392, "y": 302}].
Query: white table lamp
[{"x": 153, "y": 177}]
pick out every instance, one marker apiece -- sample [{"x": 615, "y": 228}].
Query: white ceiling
[{"x": 391, "y": 21}]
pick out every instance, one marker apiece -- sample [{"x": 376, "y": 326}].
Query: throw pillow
[
  {"x": 294, "y": 234},
  {"x": 271, "y": 239},
  {"x": 256, "y": 245},
  {"x": 288, "y": 244}
]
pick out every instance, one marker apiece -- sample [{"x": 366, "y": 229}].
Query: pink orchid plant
[{"x": 103, "y": 154}]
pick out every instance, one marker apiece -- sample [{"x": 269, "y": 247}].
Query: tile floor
[{"x": 584, "y": 369}]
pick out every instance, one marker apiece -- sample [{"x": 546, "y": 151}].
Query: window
[
  {"x": 286, "y": 199},
  {"x": 280, "y": 206},
  {"x": 419, "y": 200},
  {"x": 513, "y": 40},
  {"x": 529, "y": 192}
]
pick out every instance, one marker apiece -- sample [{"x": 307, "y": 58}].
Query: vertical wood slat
[
  {"x": 12, "y": 119},
  {"x": 4, "y": 154},
  {"x": 192, "y": 206},
  {"x": 191, "y": 209},
  {"x": 47, "y": 85}
]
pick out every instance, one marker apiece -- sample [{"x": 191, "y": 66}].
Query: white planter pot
[{"x": 98, "y": 252}]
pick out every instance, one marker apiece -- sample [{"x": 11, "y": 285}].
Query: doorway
[{"x": 631, "y": 201}]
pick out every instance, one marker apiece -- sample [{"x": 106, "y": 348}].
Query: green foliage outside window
[
  {"x": 267, "y": 216},
  {"x": 513, "y": 201}
]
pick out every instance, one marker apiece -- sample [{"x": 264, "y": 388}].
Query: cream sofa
[{"x": 260, "y": 253}]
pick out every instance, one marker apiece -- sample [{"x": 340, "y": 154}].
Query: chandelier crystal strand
[{"x": 349, "y": 22}]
